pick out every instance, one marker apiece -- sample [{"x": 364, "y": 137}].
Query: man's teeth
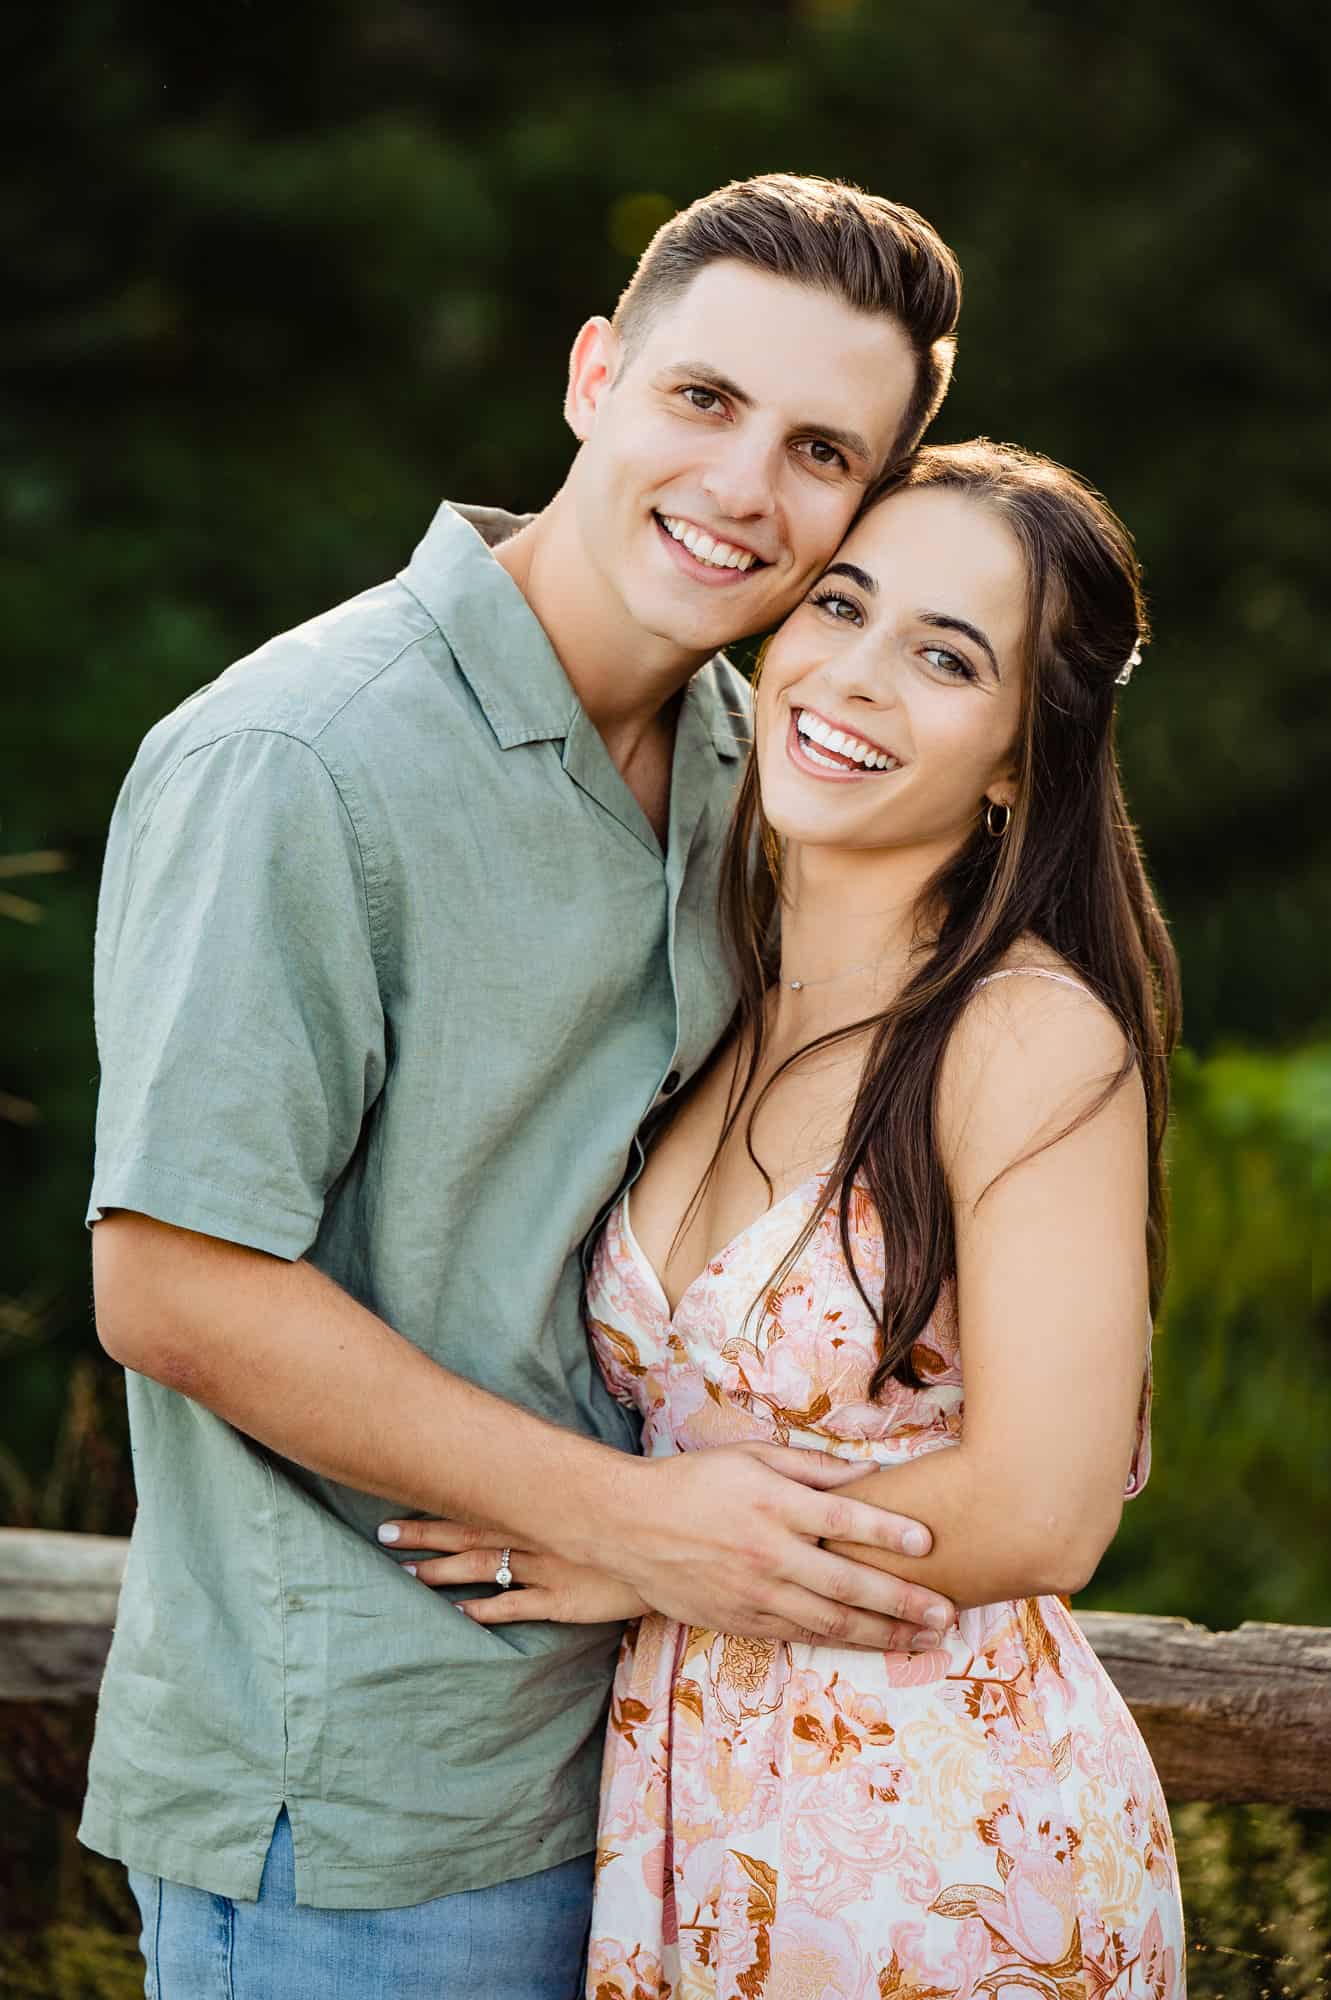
[
  {"x": 812, "y": 729},
  {"x": 717, "y": 555}
]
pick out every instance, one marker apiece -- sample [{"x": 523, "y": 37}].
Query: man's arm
[
  {"x": 723, "y": 1539},
  {"x": 244, "y": 937}
]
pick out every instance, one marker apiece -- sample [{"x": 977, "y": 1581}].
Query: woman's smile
[{"x": 818, "y": 747}]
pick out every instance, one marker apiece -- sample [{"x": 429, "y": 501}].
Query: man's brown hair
[{"x": 876, "y": 255}]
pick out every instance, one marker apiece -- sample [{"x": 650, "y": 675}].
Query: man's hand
[
  {"x": 728, "y": 1539},
  {"x": 733, "y": 1551}
]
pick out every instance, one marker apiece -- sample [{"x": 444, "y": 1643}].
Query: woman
[{"x": 929, "y": 1149}]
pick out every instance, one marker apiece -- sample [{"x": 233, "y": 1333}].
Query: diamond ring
[{"x": 504, "y": 1575}]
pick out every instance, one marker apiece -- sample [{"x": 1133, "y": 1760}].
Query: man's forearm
[
  {"x": 285, "y": 1355},
  {"x": 724, "y": 1539}
]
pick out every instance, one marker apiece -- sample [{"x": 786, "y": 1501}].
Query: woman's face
[{"x": 889, "y": 701}]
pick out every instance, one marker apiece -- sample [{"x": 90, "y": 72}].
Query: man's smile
[{"x": 703, "y": 555}]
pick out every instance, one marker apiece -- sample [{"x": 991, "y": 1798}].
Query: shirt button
[{"x": 671, "y": 1084}]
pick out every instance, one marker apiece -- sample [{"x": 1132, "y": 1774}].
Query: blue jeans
[{"x": 523, "y": 1940}]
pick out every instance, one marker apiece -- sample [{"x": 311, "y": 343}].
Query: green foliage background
[{"x": 285, "y": 275}]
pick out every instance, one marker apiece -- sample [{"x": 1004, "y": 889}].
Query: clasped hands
[{"x": 728, "y": 1539}]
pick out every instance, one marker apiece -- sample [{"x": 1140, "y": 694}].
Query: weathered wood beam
[
  {"x": 58, "y": 1596},
  {"x": 1229, "y": 1716},
  {"x": 1232, "y": 1716}
]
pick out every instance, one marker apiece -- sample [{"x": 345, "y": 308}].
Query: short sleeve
[{"x": 239, "y": 1022}]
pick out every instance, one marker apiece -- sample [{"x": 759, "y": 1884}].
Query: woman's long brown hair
[{"x": 1068, "y": 871}]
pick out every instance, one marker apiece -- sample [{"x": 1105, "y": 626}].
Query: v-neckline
[{"x": 718, "y": 1257}]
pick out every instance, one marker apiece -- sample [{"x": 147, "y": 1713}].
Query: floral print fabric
[{"x": 800, "y": 1822}]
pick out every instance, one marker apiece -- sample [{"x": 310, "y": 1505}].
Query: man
[{"x": 406, "y": 923}]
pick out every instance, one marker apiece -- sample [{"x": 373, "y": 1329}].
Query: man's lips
[{"x": 727, "y": 573}]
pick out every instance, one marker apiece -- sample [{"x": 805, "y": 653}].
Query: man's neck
[{"x": 627, "y": 679}]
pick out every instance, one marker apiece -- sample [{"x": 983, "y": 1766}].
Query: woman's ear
[{"x": 591, "y": 370}]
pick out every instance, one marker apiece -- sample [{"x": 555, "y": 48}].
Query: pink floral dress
[{"x": 806, "y": 1820}]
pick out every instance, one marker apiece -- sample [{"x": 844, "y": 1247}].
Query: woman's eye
[
  {"x": 837, "y": 606},
  {"x": 949, "y": 663},
  {"x": 705, "y": 400}
]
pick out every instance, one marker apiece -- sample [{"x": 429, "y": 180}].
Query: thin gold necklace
[{"x": 830, "y": 978}]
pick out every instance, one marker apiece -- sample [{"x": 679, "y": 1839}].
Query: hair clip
[{"x": 1124, "y": 675}]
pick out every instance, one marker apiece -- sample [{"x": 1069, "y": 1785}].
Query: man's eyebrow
[
  {"x": 851, "y": 442},
  {"x": 708, "y": 377},
  {"x": 942, "y": 622}
]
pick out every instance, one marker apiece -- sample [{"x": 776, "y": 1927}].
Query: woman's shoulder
[
  {"x": 1034, "y": 988},
  {"x": 1034, "y": 1046}
]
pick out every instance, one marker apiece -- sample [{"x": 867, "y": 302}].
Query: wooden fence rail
[{"x": 1234, "y": 1716}]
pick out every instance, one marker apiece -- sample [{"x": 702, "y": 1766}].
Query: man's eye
[
  {"x": 705, "y": 400},
  {"x": 823, "y": 453}
]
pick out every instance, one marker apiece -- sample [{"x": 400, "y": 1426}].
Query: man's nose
[{"x": 740, "y": 478}]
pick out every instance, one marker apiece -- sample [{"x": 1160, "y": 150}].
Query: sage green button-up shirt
[{"x": 389, "y": 968}]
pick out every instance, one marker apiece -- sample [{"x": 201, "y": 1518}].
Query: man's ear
[{"x": 591, "y": 371}]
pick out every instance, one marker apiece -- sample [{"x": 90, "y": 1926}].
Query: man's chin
[{"x": 700, "y": 633}]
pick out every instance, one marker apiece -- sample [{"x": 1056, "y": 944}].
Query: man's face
[{"x": 726, "y": 454}]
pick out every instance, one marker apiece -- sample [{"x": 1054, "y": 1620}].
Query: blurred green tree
[
  {"x": 281, "y": 277},
  {"x": 284, "y": 276}
]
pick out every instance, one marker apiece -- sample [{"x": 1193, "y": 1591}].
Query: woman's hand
[{"x": 544, "y": 1586}]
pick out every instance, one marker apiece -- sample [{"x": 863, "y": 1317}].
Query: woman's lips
[{"x": 807, "y": 758}]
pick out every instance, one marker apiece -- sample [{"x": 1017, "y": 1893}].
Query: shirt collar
[
  {"x": 718, "y": 689},
  {"x": 501, "y": 646},
  {"x": 494, "y": 635}
]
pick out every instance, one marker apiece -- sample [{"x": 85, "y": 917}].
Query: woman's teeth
[
  {"x": 717, "y": 555},
  {"x": 845, "y": 749}
]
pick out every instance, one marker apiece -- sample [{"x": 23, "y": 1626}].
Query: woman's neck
[{"x": 849, "y": 932}]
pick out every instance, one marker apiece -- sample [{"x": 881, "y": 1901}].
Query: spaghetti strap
[{"x": 1036, "y": 972}]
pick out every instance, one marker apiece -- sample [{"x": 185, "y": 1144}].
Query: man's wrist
[{"x": 600, "y": 1503}]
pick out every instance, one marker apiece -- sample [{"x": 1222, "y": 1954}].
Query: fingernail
[
  {"x": 389, "y": 1531},
  {"x": 410, "y": 1568},
  {"x": 938, "y": 1618},
  {"x": 915, "y": 1542},
  {"x": 922, "y": 1643}
]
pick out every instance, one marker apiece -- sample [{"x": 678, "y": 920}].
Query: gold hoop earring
[{"x": 997, "y": 805}]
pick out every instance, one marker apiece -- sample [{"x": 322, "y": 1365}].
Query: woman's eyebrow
[
  {"x": 856, "y": 575},
  {"x": 941, "y": 622}
]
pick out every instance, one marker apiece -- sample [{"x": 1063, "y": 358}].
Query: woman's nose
[{"x": 860, "y": 672}]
